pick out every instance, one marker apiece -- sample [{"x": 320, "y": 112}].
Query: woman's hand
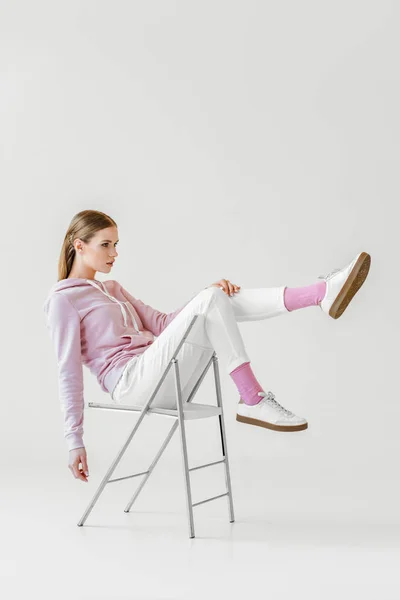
[
  {"x": 228, "y": 287},
  {"x": 78, "y": 456}
]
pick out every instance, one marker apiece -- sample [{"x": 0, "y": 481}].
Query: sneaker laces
[
  {"x": 329, "y": 274},
  {"x": 269, "y": 398}
]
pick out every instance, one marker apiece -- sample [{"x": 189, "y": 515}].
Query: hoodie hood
[
  {"x": 71, "y": 282},
  {"x": 80, "y": 282}
]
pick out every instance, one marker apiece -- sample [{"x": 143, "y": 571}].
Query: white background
[{"x": 255, "y": 141}]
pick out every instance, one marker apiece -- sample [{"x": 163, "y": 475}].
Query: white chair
[{"x": 184, "y": 411}]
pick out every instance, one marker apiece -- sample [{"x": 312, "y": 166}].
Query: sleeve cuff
[{"x": 74, "y": 441}]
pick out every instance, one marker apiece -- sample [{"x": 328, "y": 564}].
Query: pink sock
[
  {"x": 246, "y": 383},
  {"x": 300, "y": 297}
]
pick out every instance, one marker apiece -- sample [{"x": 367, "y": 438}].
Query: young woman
[{"x": 128, "y": 344}]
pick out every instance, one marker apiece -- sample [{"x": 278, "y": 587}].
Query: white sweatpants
[{"x": 216, "y": 329}]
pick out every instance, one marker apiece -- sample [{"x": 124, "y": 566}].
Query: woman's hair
[{"x": 84, "y": 225}]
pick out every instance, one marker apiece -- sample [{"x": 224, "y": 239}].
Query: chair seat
[
  {"x": 195, "y": 410},
  {"x": 191, "y": 410}
]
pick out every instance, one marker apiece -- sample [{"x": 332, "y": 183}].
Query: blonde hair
[{"x": 84, "y": 225}]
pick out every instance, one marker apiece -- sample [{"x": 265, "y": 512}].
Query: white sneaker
[
  {"x": 343, "y": 284},
  {"x": 270, "y": 414}
]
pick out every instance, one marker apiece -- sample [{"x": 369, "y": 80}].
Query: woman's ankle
[
  {"x": 246, "y": 383},
  {"x": 301, "y": 297}
]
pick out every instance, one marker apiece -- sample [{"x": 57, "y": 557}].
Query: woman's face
[{"x": 101, "y": 251}]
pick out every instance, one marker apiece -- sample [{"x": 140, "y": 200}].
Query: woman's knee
[
  {"x": 206, "y": 298},
  {"x": 208, "y": 295},
  {"x": 211, "y": 292}
]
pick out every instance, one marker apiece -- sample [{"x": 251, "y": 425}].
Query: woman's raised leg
[
  {"x": 255, "y": 304},
  {"x": 332, "y": 292},
  {"x": 217, "y": 330}
]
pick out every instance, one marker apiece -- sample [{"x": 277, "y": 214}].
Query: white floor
[{"x": 147, "y": 554}]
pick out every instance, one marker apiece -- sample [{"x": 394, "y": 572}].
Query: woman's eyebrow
[{"x": 108, "y": 241}]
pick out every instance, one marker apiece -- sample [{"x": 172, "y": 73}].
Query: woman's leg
[
  {"x": 255, "y": 304},
  {"x": 215, "y": 329}
]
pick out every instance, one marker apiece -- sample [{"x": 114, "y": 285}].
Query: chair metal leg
[
  {"x": 153, "y": 464},
  {"x": 184, "y": 448},
  {"x": 110, "y": 471},
  {"x": 223, "y": 438}
]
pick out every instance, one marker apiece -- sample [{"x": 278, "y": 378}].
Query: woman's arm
[{"x": 63, "y": 322}]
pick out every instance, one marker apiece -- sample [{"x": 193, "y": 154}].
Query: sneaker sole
[
  {"x": 354, "y": 281},
  {"x": 267, "y": 425}
]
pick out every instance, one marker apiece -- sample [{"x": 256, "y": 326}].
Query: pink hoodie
[{"x": 98, "y": 324}]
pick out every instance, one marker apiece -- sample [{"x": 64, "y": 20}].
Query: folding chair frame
[{"x": 179, "y": 416}]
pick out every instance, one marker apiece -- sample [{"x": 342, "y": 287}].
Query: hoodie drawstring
[{"x": 121, "y": 304}]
